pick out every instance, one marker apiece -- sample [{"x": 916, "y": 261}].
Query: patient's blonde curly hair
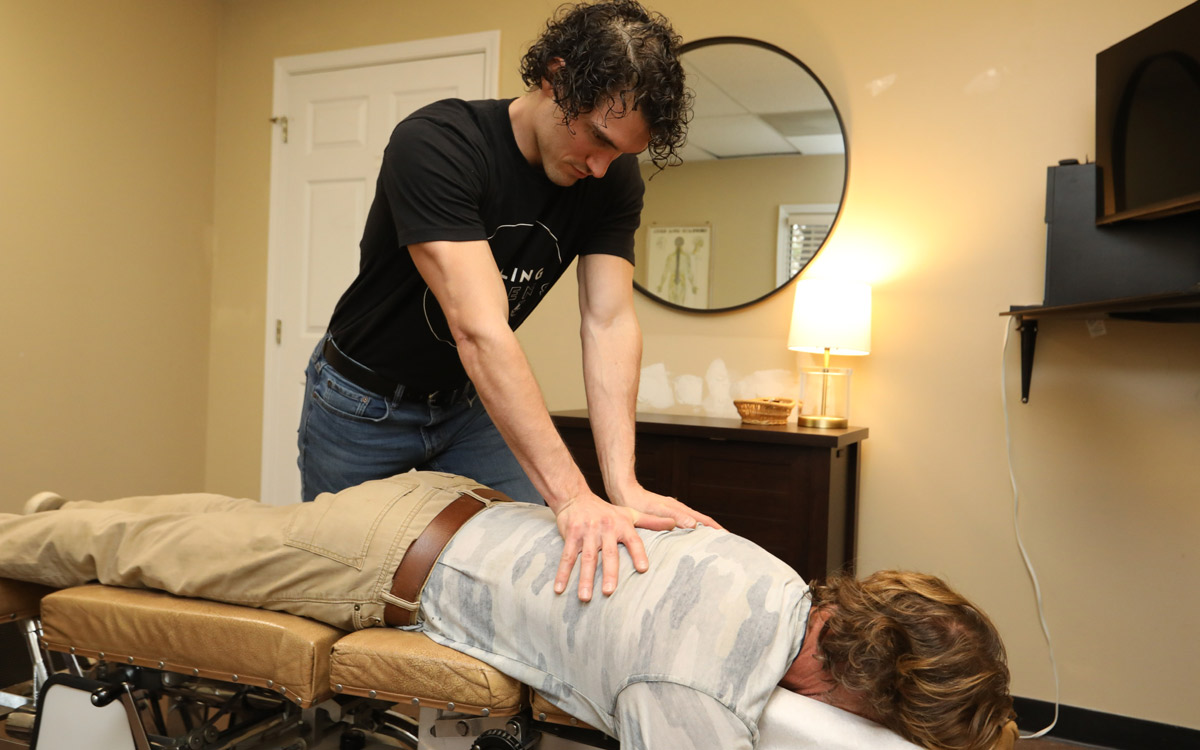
[{"x": 928, "y": 664}]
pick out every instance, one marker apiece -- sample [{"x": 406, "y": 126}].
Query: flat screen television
[{"x": 1148, "y": 121}]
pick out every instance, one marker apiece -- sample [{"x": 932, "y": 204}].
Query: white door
[{"x": 340, "y": 109}]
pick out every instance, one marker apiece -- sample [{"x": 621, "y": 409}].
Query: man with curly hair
[
  {"x": 687, "y": 655},
  {"x": 480, "y": 207}
]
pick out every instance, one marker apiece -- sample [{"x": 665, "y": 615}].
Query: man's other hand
[
  {"x": 652, "y": 503},
  {"x": 591, "y": 527}
]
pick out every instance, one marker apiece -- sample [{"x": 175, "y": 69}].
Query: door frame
[{"x": 485, "y": 42}]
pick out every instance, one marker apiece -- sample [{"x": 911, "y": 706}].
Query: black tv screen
[{"x": 1148, "y": 121}]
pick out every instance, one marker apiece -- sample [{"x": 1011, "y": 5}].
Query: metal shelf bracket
[{"x": 1028, "y": 329}]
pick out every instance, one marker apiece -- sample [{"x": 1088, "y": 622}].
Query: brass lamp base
[{"x": 822, "y": 421}]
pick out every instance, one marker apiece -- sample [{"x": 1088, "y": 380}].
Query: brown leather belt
[{"x": 420, "y": 556}]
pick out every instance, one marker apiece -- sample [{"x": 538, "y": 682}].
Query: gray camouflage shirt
[{"x": 716, "y": 614}]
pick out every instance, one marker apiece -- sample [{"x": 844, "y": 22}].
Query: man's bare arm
[
  {"x": 471, "y": 293},
  {"x": 612, "y": 357}
]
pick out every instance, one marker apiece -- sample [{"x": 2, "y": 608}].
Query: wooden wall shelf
[{"x": 1174, "y": 307}]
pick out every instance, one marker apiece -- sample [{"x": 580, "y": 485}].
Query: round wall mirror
[{"x": 760, "y": 187}]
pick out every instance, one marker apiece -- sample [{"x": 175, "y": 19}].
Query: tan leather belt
[{"x": 420, "y": 556}]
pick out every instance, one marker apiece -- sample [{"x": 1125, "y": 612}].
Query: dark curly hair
[
  {"x": 928, "y": 664},
  {"x": 610, "y": 51}
]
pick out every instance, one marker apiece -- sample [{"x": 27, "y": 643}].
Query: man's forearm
[
  {"x": 501, "y": 373},
  {"x": 612, "y": 357}
]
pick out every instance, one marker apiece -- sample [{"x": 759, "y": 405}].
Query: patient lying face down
[
  {"x": 905, "y": 650},
  {"x": 684, "y": 655}
]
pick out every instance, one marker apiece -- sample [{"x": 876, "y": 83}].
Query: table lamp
[{"x": 829, "y": 317}]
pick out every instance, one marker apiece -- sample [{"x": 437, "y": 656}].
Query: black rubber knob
[
  {"x": 496, "y": 739},
  {"x": 105, "y": 694}
]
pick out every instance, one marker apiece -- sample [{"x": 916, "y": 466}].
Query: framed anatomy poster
[{"x": 679, "y": 263}]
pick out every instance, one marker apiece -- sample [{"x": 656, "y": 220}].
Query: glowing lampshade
[
  {"x": 832, "y": 317},
  {"x": 829, "y": 317}
]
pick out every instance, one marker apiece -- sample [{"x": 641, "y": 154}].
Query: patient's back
[{"x": 715, "y": 612}]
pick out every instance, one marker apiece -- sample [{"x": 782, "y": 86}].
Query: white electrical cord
[{"x": 1037, "y": 589}]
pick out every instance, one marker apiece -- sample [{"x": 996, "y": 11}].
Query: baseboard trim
[{"x": 1106, "y": 730}]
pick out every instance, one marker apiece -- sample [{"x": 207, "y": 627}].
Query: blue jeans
[{"x": 349, "y": 435}]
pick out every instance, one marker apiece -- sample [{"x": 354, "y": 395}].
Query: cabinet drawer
[{"x": 652, "y": 458}]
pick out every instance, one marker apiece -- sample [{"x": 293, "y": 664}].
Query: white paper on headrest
[{"x": 795, "y": 722}]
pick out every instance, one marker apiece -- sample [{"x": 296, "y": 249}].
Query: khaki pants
[{"x": 331, "y": 560}]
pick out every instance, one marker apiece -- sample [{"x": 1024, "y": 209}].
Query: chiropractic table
[{"x": 143, "y": 669}]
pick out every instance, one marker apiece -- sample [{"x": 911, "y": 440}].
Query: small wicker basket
[{"x": 765, "y": 410}]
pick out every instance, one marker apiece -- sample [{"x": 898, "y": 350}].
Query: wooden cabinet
[{"x": 791, "y": 489}]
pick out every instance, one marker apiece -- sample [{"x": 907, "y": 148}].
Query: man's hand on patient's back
[
  {"x": 644, "y": 501},
  {"x": 591, "y": 527}
]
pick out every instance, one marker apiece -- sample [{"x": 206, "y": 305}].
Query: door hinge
[
  {"x": 278, "y": 331},
  {"x": 282, "y": 121}
]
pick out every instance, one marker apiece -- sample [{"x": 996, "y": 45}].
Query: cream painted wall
[
  {"x": 953, "y": 111},
  {"x": 106, "y": 184}
]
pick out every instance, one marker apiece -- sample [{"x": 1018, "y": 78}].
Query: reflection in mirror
[{"x": 760, "y": 186}]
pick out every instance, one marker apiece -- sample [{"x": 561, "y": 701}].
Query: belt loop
[
  {"x": 486, "y": 502},
  {"x": 487, "y": 495}
]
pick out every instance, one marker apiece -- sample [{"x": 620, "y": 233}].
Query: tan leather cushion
[
  {"x": 544, "y": 710},
  {"x": 401, "y": 666},
  {"x": 19, "y": 600},
  {"x": 219, "y": 641}
]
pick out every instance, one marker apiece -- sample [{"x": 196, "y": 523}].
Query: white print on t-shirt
[
  {"x": 525, "y": 281},
  {"x": 430, "y": 307},
  {"x": 557, "y": 249},
  {"x": 522, "y": 275}
]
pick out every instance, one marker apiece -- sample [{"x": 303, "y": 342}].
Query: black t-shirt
[{"x": 452, "y": 171}]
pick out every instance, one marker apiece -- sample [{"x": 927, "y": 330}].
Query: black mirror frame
[{"x": 710, "y": 41}]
